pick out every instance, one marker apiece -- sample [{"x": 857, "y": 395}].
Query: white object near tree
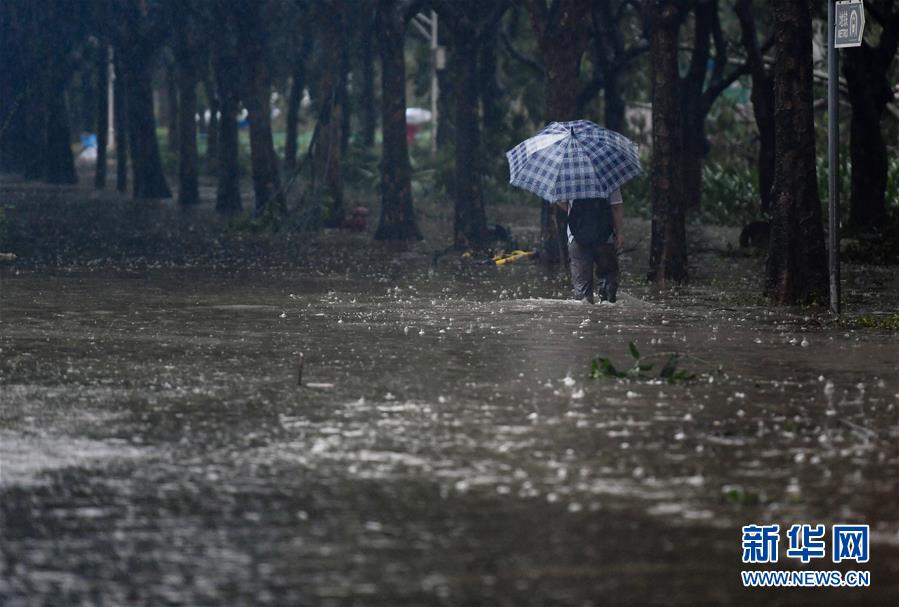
[{"x": 417, "y": 115}]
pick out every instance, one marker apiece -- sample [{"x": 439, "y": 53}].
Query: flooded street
[{"x": 448, "y": 448}]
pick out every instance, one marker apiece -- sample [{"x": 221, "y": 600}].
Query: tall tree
[
  {"x": 699, "y": 90},
  {"x": 472, "y": 22},
  {"x": 796, "y": 267},
  {"x": 120, "y": 125},
  {"x": 762, "y": 99},
  {"x": 102, "y": 71},
  {"x": 14, "y": 84},
  {"x": 668, "y": 248},
  {"x": 397, "y": 213},
  {"x": 366, "y": 60},
  {"x": 254, "y": 62},
  {"x": 225, "y": 64},
  {"x": 330, "y": 16},
  {"x": 295, "y": 95},
  {"x": 561, "y": 30},
  {"x": 170, "y": 107},
  {"x": 867, "y": 70},
  {"x": 611, "y": 57},
  {"x": 141, "y": 32},
  {"x": 60, "y": 162},
  {"x": 188, "y": 53},
  {"x": 212, "y": 130}
]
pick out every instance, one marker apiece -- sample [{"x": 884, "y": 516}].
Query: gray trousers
[{"x": 583, "y": 260}]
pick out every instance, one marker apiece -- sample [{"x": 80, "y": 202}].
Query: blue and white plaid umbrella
[{"x": 573, "y": 160}]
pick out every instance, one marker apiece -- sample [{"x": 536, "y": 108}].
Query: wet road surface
[{"x": 155, "y": 448}]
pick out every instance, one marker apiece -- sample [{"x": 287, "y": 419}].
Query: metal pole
[
  {"x": 110, "y": 115},
  {"x": 833, "y": 156},
  {"x": 435, "y": 90}
]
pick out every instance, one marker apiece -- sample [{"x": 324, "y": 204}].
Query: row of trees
[{"x": 687, "y": 52}]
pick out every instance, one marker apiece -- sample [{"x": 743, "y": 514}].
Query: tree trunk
[
  {"x": 615, "y": 108},
  {"x": 227, "y": 196},
  {"x": 13, "y": 92},
  {"x": 60, "y": 165},
  {"x": 693, "y": 143},
  {"x": 294, "y": 99},
  {"x": 120, "y": 127},
  {"x": 470, "y": 224},
  {"x": 868, "y": 96},
  {"x": 491, "y": 92},
  {"x": 343, "y": 91},
  {"x": 796, "y": 266},
  {"x": 251, "y": 38},
  {"x": 561, "y": 35},
  {"x": 762, "y": 101},
  {"x": 171, "y": 108},
  {"x": 397, "y": 214},
  {"x": 188, "y": 180},
  {"x": 367, "y": 106},
  {"x": 146, "y": 165},
  {"x": 668, "y": 248},
  {"x": 102, "y": 118},
  {"x": 328, "y": 152},
  {"x": 36, "y": 128},
  {"x": 212, "y": 129}
]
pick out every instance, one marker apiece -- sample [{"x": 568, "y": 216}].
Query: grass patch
[{"x": 869, "y": 321}]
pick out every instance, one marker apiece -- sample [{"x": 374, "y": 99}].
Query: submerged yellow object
[{"x": 502, "y": 260}]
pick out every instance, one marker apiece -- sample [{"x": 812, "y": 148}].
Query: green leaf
[
  {"x": 669, "y": 368},
  {"x": 603, "y": 367},
  {"x": 634, "y": 351}
]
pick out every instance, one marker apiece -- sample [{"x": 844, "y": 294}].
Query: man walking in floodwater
[{"x": 594, "y": 239}]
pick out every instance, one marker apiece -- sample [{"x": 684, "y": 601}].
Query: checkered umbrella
[{"x": 573, "y": 160}]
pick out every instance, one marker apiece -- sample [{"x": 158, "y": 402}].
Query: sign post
[{"x": 845, "y": 28}]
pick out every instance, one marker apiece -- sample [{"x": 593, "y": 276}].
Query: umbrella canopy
[{"x": 573, "y": 160}]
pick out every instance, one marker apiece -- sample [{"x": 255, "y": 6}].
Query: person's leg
[
  {"x": 581, "y": 271},
  {"x": 607, "y": 262}
]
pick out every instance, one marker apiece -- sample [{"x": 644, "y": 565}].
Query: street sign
[{"x": 850, "y": 24}]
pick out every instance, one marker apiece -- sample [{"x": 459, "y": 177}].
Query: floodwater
[{"x": 448, "y": 448}]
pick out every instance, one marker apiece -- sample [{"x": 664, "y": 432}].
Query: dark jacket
[{"x": 590, "y": 221}]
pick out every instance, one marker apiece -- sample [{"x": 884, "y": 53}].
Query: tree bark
[
  {"x": 668, "y": 248},
  {"x": 328, "y": 147},
  {"x": 561, "y": 35},
  {"x": 171, "y": 108},
  {"x": 102, "y": 117},
  {"x": 13, "y": 91},
  {"x": 257, "y": 91},
  {"x": 227, "y": 196},
  {"x": 367, "y": 104},
  {"x": 188, "y": 162},
  {"x": 185, "y": 71},
  {"x": 397, "y": 214},
  {"x": 796, "y": 266},
  {"x": 212, "y": 130},
  {"x": 146, "y": 166},
  {"x": 60, "y": 165},
  {"x": 120, "y": 126},
  {"x": 762, "y": 101},
  {"x": 470, "y": 218},
  {"x": 36, "y": 128},
  {"x": 694, "y": 146},
  {"x": 295, "y": 99}
]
